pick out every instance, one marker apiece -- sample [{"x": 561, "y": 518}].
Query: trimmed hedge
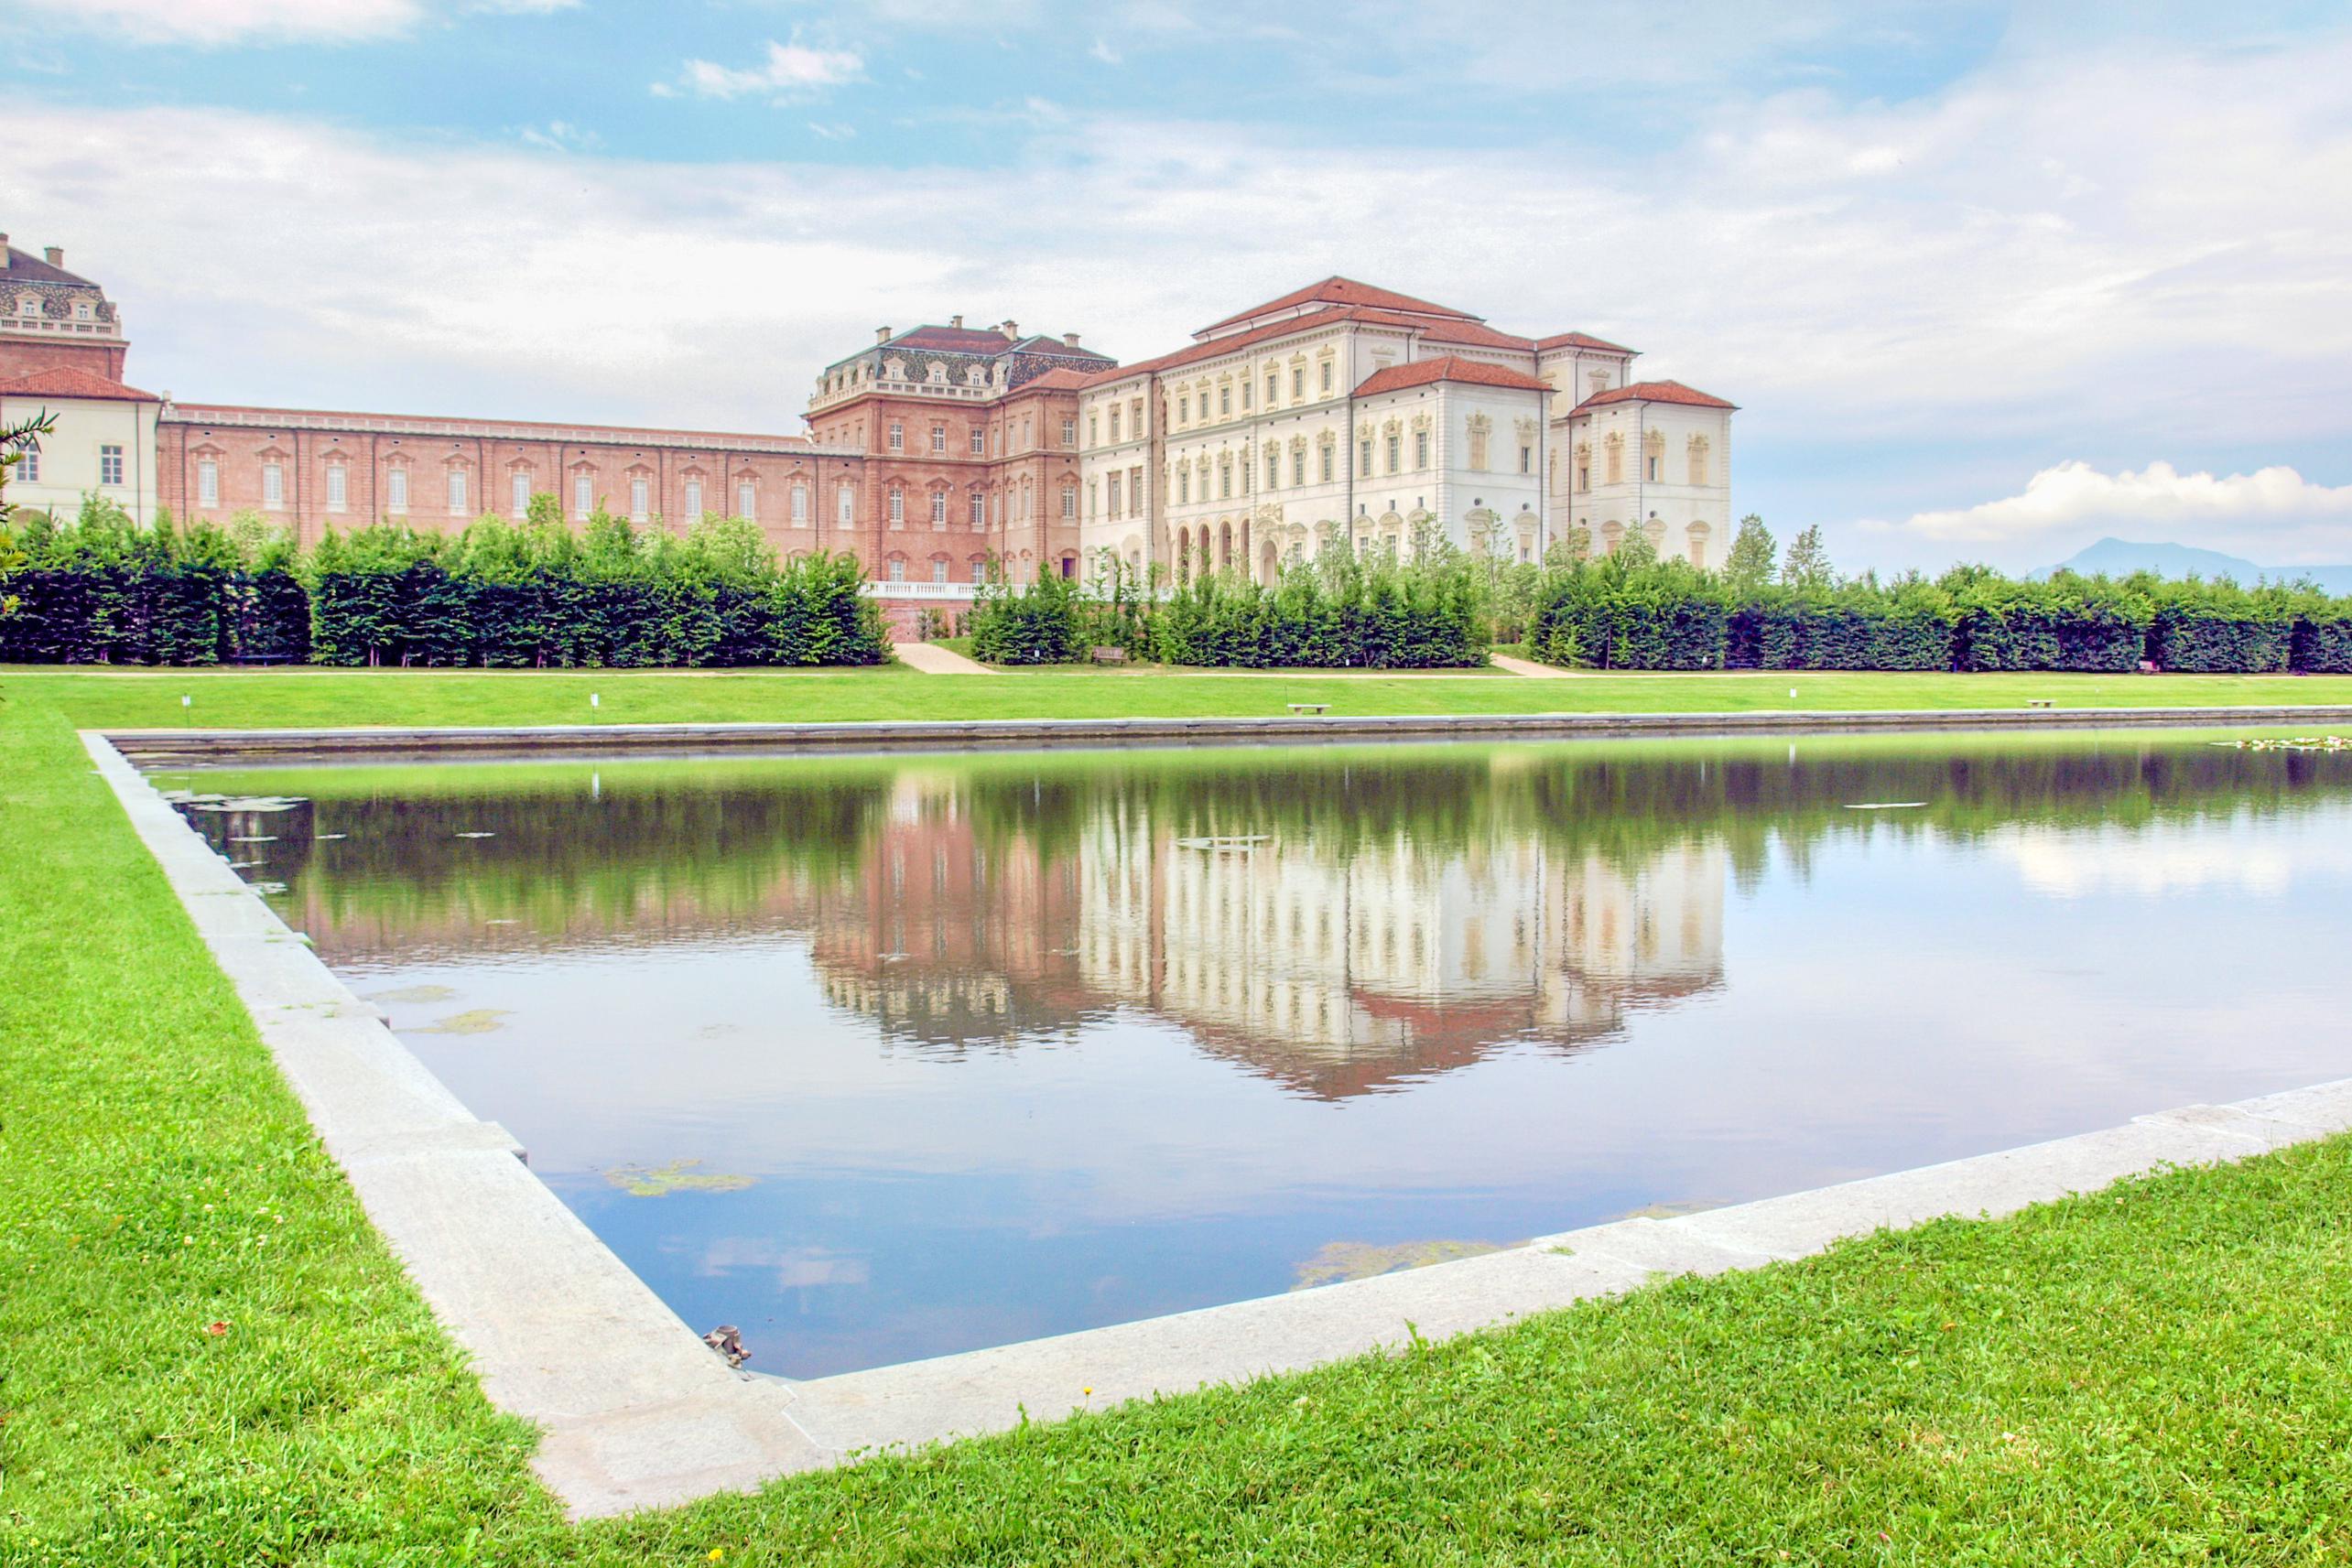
[
  {"x": 1339, "y": 612},
  {"x": 1630, "y": 613},
  {"x": 103, "y": 590}
]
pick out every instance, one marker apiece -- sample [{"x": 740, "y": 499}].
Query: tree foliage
[{"x": 103, "y": 590}]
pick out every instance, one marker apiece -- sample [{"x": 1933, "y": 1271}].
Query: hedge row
[
  {"x": 1339, "y": 612},
  {"x": 1625, "y": 613},
  {"x": 103, "y": 590}
]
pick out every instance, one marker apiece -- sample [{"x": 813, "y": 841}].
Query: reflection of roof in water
[{"x": 1430, "y": 1035}]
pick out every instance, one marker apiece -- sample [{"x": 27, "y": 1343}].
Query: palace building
[{"x": 1339, "y": 411}]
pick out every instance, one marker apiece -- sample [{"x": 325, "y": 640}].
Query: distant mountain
[{"x": 2120, "y": 557}]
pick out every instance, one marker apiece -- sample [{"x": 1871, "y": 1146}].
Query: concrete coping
[
  {"x": 635, "y": 1412},
  {"x": 157, "y": 746}
]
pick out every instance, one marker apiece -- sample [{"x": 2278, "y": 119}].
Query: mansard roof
[
  {"x": 985, "y": 343},
  {"x": 1447, "y": 367},
  {"x": 983, "y": 340},
  {"x": 69, "y": 381},
  {"x": 26, "y": 268},
  {"x": 1581, "y": 340},
  {"x": 1654, "y": 392},
  {"x": 1343, "y": 291}
]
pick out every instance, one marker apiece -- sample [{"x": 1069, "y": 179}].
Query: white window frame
[
  {"x": 897, "y": 437},
  {"x": 979, "y": 510},
  {"x": 207, "y": 481},
  {"x": 395, "y": 490},
  {"x": 110, "y": 465},
  {"x": 453, "y": 487},
  {"x": 845, "y": 505},
  {"x": 1070, "y": 503},
  {"x": 518, "y": 497},
  {"x": 747, "y": 500},
  {"x": 694, "y": 500},
  {"x": 641, "y": 498},
  {"x": 273, "y": 486},
  {"x": 898, "y": 506},
  {"x": 938, "y": 509},
  {"x": 800, "y": 506},
  {"x": 583, "y": 495}
]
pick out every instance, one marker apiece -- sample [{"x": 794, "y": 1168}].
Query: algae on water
[
  {"x": 1339, "y": 1260},
  {"x": 677, "y": 1176}
]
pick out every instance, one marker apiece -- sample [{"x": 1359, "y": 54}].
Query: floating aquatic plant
[
  {"x": 1339, "y": 1260},
  {"x": 677, "y": 1176}
]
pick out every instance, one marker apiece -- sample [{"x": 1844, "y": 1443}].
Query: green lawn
[
  {"x": 2154, "y": 1374},
  {"x": 260, "y": 699}
]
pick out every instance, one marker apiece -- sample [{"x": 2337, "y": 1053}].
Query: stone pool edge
[
  {"x": 637, "y": 1413},
  {"x": 634, "y": 1410},
  {"x": 544, "y": 740}
]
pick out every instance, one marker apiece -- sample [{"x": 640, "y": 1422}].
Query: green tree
[
  {"x": 1749, "y": 565},
  {"x": 14, "y": 441},
  {"x": 1806, "y": 564}
]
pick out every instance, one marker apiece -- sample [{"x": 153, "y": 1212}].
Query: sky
[{"x": 1987, "y": 282}]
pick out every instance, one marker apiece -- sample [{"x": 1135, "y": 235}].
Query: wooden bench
[
  {"x": 1110, "y": 656},
  {"x": 2040, "y": 702},
  {"x": 1308, "y": 707}
]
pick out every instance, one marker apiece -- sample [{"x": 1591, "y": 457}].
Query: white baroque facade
[{"x": 1346, "y": 411}]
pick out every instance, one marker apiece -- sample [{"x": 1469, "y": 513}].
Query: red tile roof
[
  {"x": 1470, "y": 333},
  {"x": 1217, "y": 347},
  {"x": 68, "y": 381},
  {"x": 1655, "y": 392},
  {"x": 1062, "y": 378},
  {"x": 251, "y": 415},
  {"x": 1337, "y": 290},
  {"x": 1582, "y": 340},
  {"x": 1447, "y": 367}
]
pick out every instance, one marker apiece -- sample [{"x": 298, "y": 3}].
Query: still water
[{"x": 887, "y": 1057}]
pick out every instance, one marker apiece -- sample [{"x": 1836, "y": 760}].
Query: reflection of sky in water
[{"x": 1480, "y": 1026}]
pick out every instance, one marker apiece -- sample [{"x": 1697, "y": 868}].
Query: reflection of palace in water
[
  {"x": 1333, "y": 958},
  {"x": 1334, "y": 970}
]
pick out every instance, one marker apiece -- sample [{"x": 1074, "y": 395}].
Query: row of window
[
  {"x": 979, "y": 436},
  {"x": 110, "y": 464},
  {"x": 978, "y": 506},
  {"x": 1192, "y": 406},
  {"x": 1653, "y": 464},
  {"x": 1326, "y": 464},
  {"x": 457, "y": 482}
]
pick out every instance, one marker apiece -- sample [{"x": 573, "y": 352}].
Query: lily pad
[
  {"x": 416, "y": 994},
  {"x": 677, "y": 1176},
  {"x": 479, "y": 1021},
  {"x": 1341, "y": 1261}
]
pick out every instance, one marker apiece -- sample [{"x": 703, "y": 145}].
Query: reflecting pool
[{"x": 892, "y": 1056}]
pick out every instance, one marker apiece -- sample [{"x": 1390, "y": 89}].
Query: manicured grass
[
  {"x": 304, "y": 697},
  {"x": 2153, "y": 1374}
]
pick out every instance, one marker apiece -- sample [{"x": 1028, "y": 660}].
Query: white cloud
[
  {"x": 238, "y": 21},
  {"x": 1103, "y": 51},
  {"x": 2091, "y": 245},
  {"x": 214, "y": 23},
  {"x": 790, "y": 71},
  {"x": 2159, "y": 499},
  {"x": 562, "y": 136}
]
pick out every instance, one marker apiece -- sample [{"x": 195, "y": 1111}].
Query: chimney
[
  {"x": 882, "y": 334},
  {"x": 56, "y": 255},
  {"x": 1012, "y": 329},
  {"x": 4, "y": 253},
  {"x": 1070, "y": 339},
  {"x": 952, "y": 321}
]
